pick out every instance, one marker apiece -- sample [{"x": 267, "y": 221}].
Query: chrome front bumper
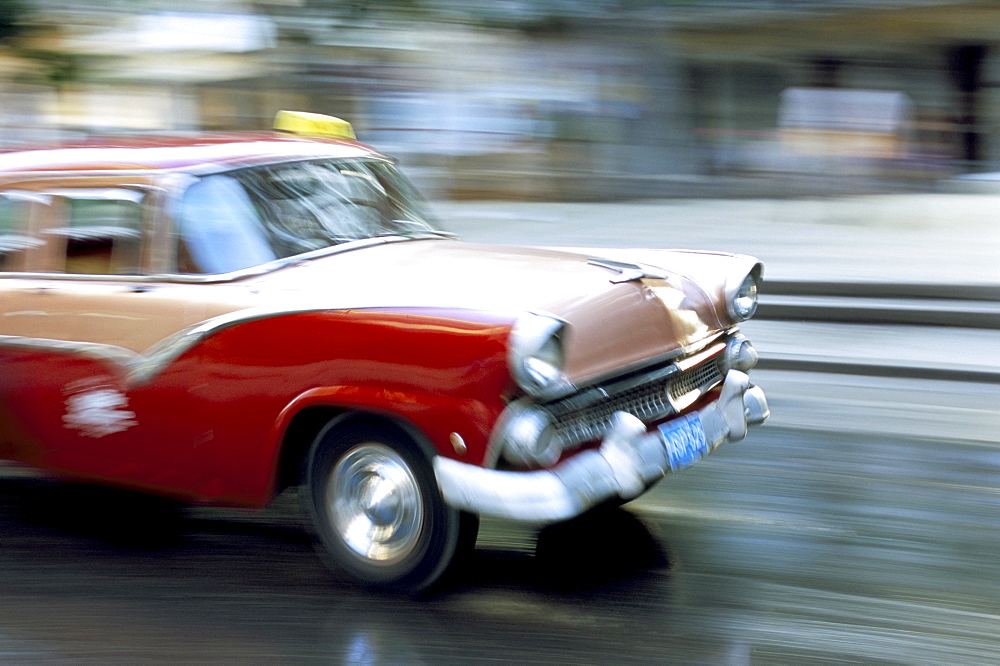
[{"x": 629, "y": 460}]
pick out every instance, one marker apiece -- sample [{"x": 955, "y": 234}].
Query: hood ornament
[{"x": 628, "y": 272}]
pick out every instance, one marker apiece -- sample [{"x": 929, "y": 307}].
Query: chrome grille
[
  {"x": 693, "y": 380},
  {"x": 649, "y": 401}
]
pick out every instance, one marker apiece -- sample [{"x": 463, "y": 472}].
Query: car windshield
[{"x": 248, "y": 217}]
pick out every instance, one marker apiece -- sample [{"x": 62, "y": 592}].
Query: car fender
[{"x": 446, "y": 425}]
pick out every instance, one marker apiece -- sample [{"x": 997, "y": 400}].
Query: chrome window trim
[{"x": 215, "y": 278}]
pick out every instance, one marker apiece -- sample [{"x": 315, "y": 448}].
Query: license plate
[{"x": 685, "y": 442}]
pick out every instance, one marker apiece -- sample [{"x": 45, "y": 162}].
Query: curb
[
  {"x": 967, "y": 314},
  {"x": 985, "y": 376},
  {"x": 961, "y": 305},
  {"x": 888, "y": 290}
]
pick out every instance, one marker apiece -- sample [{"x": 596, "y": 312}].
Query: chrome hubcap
[{"x": 375, "y": 503}]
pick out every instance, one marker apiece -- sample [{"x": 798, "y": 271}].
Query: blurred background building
[{"x": 538, "y": 99}]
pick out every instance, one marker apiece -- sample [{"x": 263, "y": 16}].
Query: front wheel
[{"x": 376, "y": 510}]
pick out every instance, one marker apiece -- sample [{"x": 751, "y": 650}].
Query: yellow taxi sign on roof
[{"x": 313, "y": 124}]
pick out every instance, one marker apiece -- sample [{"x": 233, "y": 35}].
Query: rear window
[
  {"x": 102, "y": 231},
  {"x": 15, "y": 241}
]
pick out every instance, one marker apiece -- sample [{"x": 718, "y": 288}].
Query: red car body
[{"x": 218, "y": 318}]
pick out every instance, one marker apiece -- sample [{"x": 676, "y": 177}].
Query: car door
[{"x": 77, "y": 309}]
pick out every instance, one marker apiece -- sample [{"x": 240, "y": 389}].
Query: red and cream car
[{"x": 218, "y": 318}]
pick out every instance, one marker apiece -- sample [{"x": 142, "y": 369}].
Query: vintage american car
[{"x": 218, "y": 318}]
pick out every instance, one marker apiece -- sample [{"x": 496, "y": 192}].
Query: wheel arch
[{"x": 311, "y": 423}]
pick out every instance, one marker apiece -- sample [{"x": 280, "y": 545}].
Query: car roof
[{"x": 195, "y": 153}]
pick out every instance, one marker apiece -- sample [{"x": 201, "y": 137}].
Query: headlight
[
  {"x": 536, "y": 353},
  {"x": 741, "y": 301}
]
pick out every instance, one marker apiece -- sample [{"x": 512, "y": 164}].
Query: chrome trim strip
[
  {"x": 141, "y": 368},
  {"x": 154, "y": 359},
  {"x": 689, "y": 362},
  {"x": 253, "y": 271},
  {"x": 662, "y": 359},
  {"x": 157, "y": 357},
  {"x": 118, "y": 355}
]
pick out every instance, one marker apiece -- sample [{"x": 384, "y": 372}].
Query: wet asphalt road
[{"x": 872, "y": 538}]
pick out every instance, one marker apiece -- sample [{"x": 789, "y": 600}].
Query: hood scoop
[{"x": 628, "y": 272}]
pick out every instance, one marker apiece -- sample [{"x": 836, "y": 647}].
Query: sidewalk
[
  {"x": 923, "y": 352},
  {"x": 908, "y": 238}
]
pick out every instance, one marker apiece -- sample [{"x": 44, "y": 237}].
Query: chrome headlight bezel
[
  {"x": 526, "y": 436},
  {"x": 740, "y": 354},
  {"x": 741, "y": 293},
  {"x": 536, "y": 353}
]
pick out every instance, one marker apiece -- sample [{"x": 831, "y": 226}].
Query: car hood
[{"x": 612, "y": 323}]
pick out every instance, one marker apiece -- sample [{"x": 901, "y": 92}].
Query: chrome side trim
[
  {"x": 627, "y": 463},
  {"x": 157, "y": 357},
  {"x": 118, "y": 355},
  {"x": 141, "y": 368}
]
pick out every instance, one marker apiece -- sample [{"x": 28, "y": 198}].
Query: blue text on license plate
[{"x": 685, "y": 442}]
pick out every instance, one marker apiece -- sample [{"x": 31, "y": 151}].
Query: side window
[
  {"x": 103, "y": 231},
  {"x": 219, "y": 228},
  {"x": 15, "y": 238}
]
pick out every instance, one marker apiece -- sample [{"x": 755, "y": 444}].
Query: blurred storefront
[
  {"x": 921, "y": 77},
  {"x": 581, "y": 100},
  {"x": 81, "y": 75}
]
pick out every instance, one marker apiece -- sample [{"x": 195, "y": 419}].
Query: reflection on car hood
[{"x": 614, "y": 321}]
